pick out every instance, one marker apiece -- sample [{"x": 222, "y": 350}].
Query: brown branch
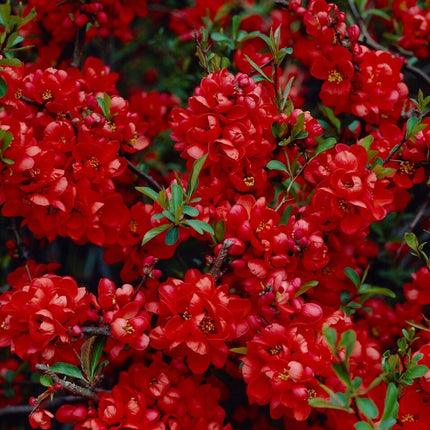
[
  {"x": 282, "y": 3},
  {"x": 155, "y": 185},
  {"x": 216, "y": 271},
  {"x": 69, "y": 386},
  {"x": 394, "y": 150},
  {"x": 97, "y": 331},
  {"x": 22, "y": 248},
  {"x": 78, "y": 49}
]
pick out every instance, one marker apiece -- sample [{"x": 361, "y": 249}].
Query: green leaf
[
  {"x": 220, "y": 230},
  {"x": 190, "y": 211},
  {"x": 342, "y": 373},
  {"x": 387, "y": 424},
  {"x": 305, "y": 287},
  {"x": 10, "y": 62},
  {"x": 5, "y": 21},
  {"x": 326, "y": 144},
  {"x": 154, "y": 232},
  {"x": 258, "y": 69},
  {"x": 318, "y": 402},
  {"x": 240, "y": 350},
  {"x": 199, "y": 226},
  {"x": 362, "y": 425},
  {"x": 172, "y": 236},
  {"x": 352, "y": 275},
  {"x": 3, "y": 87},
  {"x": 96, "y": 354},
  {"x": 330, "y": 336},
  {"x": 177, "y": 197},
  {"x": 391, "y": 404},
  {"x": 7, "y": 140},
  {"x": 7, "y": 161},
  {"x": 46, "y": 380},
  {"x": 68, "y": 370},
  {"x": 195, "y": 172},
  {"x": 411, "y": 240},
  {"x": 418, "y": 371},
  {"x": 329, "y": 113},
  {"x": 418, "y": 326},
  {"x": 347, "y": 341},
  {"x": 369, "y": 289},
  {"x": 378, "y": 12},
  {"x": 276, "y": 165},
  {"x": 410, "y": 126},
  {"x": 356, "y": 383},
  {"x": 148, "y": 192},
  {"x": 381, "y": 171},
  {"x": 367, "y": 406}
]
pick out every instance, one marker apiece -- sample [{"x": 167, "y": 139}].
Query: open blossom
[
  {"x": 197, "y": 319},
  {"x": 347, "y": 193}
]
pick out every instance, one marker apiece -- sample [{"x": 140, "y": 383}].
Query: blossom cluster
[{"x": 246, "y": 296}]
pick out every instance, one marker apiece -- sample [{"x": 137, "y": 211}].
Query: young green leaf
[
  {"x": 3, "y": 87},
  {"x": 367, "y": 407},
  {"x": 199, "y": 226},
  {"x": 326, "y": 144},
  {"x": 391, "y": 404},
  {"x": 347, "y": 341},
  {"x": 172, "y": 236},
  {"x": 362, "y": 425},
  {"x": 342, "y": 373},
  {"x": 148, "y": 192},
  {"x": 276, "y": 165},
  {"x": 177, "y": 197},
  {"x": 352, "y": 275},
  {"x": 154, "y": 232},
  {"x": 46, "y": 380},
  {"x": 195, "y": 172},
  {"x": 318, "y": 402},
  {"x": 96, "y": 354},
  {"x": 305, "y": 287},
  {"x": 68, "y": 370}
]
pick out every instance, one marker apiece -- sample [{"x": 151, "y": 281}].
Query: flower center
[
  {"x": 133, "y": 225},
  {"x": 186, "y": 316},
  {"x": 18, "y": 93},
  {"x": 407, "y": 168},
  {"x": 129, "y": 328},
  {"x": 407, "y": 418},
  {"x": 277, "y": 349},
  {"x": 335, "y": 76},
  {"x": 311, "y": 393},
  {"x": 249, "y": 181},
  {"x": 344, "y": 206},
  {"x": 94, "y": 162},
  {"x": 261, "y": 226},
  {"x": 46, "y": 95},
  {"x": 284, "y": 375},
  {"x": 207, "y": 325}
]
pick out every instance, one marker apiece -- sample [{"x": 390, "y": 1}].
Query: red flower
[{"x": 197, "y": 319}]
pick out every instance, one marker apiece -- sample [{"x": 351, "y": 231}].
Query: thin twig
[
  {"x": 69, "y": 386},
  {"x": 27, "y": 409},
  {"x": 394, "y": 150},
  {"x": 216, "y": 271},
  {"x": 155, "y": 185}
]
